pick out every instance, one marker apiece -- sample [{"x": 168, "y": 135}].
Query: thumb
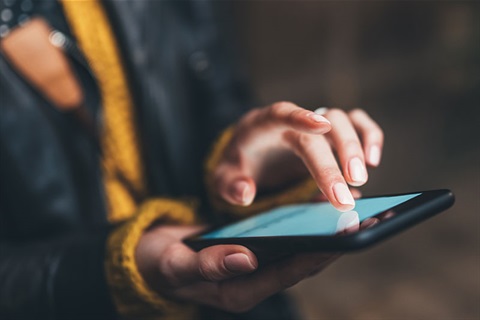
[{"x": 214, "y": 263}]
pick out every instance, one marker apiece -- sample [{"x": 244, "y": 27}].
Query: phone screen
[{"x": 313, "y": 219}]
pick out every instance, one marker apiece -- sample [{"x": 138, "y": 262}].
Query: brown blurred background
[{"x": 415, "y": 67}]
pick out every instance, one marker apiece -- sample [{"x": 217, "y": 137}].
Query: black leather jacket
[{"x": 53, "y": 223}]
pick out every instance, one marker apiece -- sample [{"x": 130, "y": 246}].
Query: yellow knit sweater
[{"x": 122, "y": 165}]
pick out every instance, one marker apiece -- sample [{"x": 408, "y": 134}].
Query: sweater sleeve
[{"x": 132, "y": 296}]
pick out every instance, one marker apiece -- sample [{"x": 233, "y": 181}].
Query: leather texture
[
  {"x": 31, "y": 52},
  {"x": 53, "y": 224}
]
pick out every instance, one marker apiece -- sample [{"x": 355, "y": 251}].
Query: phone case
[{"x": 407, "y": 214}]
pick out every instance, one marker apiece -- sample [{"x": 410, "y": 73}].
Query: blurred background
[{"x": 415, "y": 67}]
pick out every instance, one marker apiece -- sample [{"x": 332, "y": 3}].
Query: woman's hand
[
  {"x": 276, "y": 145},
  {"x": 271, "y": 148},
  {"x": 224, "y": 276}
]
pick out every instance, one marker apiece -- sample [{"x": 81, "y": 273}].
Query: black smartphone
[{"x": 320, "y": 227}]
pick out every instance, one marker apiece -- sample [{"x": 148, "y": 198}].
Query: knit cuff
[
  {"x": 131, "y": 294},
  {"x": 301, "y": 192}
]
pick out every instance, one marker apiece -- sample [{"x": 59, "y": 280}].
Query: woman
[{"x": 108, "y": 112}]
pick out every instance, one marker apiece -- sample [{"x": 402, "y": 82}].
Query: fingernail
[
  {"x": 238, "y": 262},
  {"x": 369, "y": 223},
  {"x": 353, "y": 224},
  {"x": 321, "y": 111},
  {"x": 342, "y": 194},
  {"x": 357, "y": 170},
  {"x": 347, "y": 221},
  {"x": 318, "y": 118},
  {"x": 374, "y": 155},
  {"x": 242, "y": 193}
]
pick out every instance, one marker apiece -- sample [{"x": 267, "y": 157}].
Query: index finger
[
  {"x": 291, "y": 116},
  {"x": 317, "y": 155}
]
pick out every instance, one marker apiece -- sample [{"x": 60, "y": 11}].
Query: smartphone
[{"x": 314, "y": 227}]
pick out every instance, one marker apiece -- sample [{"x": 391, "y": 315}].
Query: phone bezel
[{"x": 409, "y": 213}]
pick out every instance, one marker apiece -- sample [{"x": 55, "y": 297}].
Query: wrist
[
  {"x": 146, "y": 258},
  {"x": 131, "y": 293}
]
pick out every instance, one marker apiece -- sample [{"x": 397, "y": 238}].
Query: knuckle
[
  {"x": 305, "y": 141},
  {"x": 278, "y": 107},
  {"x": 292, "y": 139},
  {"x": 373, "y": 135},
  {"x": 210, "y": 271},
  {"x": 282, "y": 104},
  {"x": 377, "y": 135},
  {"x": 329, "y": 173},
  {"x": 167, "y": 266},
  {"x": 290, "y": 119},
  {"x": 251, "y": 116},
  {"x": 357, "y": 112},
  {"x": 293, "y": 116},
  {"x": 166, "y": 273},
  {"x": 350, "y": 146}
]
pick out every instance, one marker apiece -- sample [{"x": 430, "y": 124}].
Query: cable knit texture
[
  {"x": 301, "y": 192},
  {"x": 119, "y": 139},
  {"x": 123, "y": 174},
  {"x": 122, "y": 171}
]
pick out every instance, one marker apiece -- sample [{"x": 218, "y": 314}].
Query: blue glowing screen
[{"x": 320, "y": 219}]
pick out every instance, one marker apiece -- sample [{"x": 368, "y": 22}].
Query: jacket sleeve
[
  {"x": 87, "y": 275},
  {"x": 50, "y": 265},
  {"x": 56, "y": 278}
]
